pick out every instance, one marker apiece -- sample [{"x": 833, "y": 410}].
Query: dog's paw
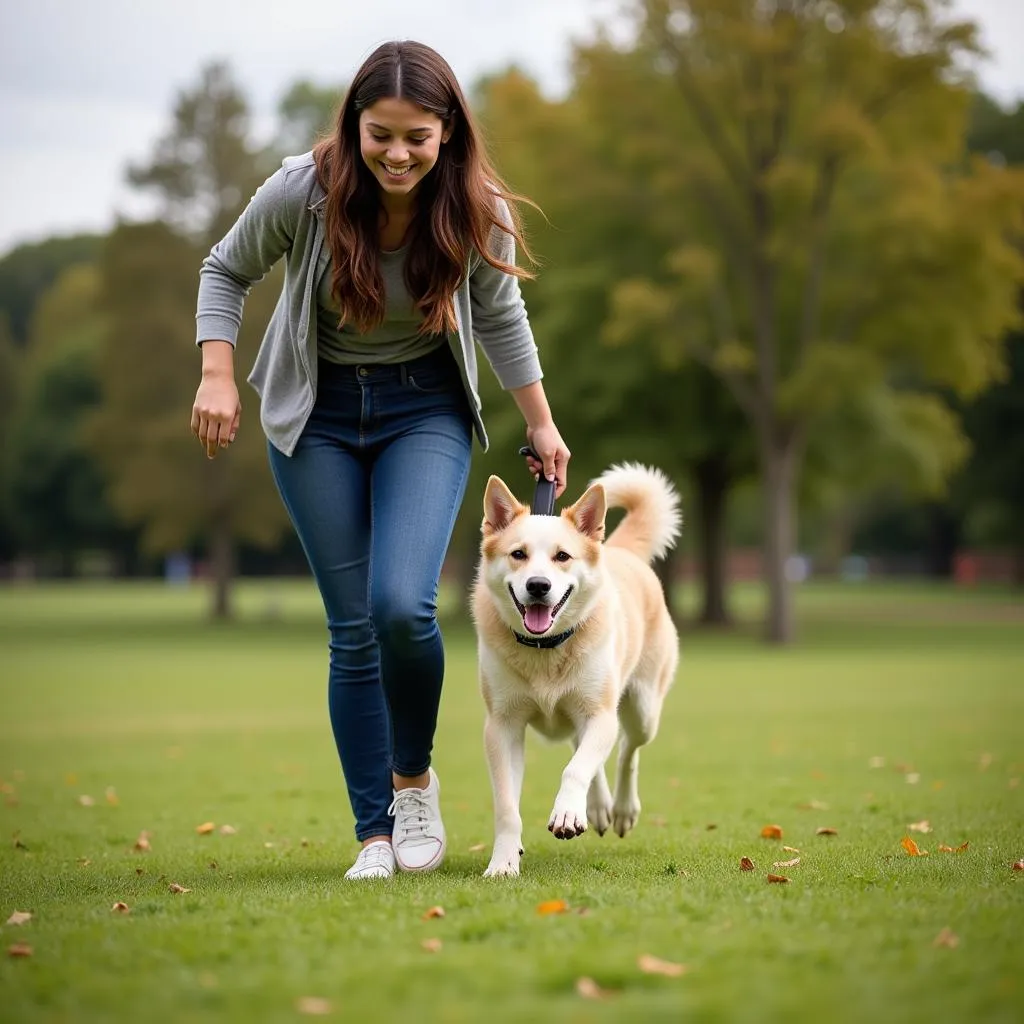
[
  {"x": 567, "y": 822},
  {"x": 504, "y": 860},
  {"x": 505, "y": 868},
  {"x": 599, "y": 814},
  {"x": 625, "y": 816}
]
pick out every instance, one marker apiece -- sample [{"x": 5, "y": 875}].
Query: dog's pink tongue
[{"x": 537, "y": 618}]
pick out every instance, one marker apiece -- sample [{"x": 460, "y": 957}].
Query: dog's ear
[
  {"x": 587, "y": 515},
  {"x": 500, "y": 506}
]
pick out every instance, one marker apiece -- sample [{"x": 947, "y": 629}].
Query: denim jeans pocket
[{"x": 433, "y": 375}]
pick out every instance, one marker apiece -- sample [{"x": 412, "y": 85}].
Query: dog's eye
[
  {"x": 563, "y": 556},
  {"x": 519, "y": 555}
]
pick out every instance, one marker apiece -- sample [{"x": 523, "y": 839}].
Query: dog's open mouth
[{"x": 537, "y": 618}]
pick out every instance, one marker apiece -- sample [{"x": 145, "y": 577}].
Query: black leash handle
[{"x": 544, "y": 493}]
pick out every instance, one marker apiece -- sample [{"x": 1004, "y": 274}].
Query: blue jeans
[{"x": 373, "y": 488}]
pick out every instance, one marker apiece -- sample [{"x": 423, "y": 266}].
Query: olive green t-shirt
[{"x": 396, "y": 340}]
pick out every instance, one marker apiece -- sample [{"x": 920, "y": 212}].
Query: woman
[{"x": 399, "y": 243}]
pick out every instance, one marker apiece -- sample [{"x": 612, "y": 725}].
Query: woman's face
[{"x": 400, "y": 143}]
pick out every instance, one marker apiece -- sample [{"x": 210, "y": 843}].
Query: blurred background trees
[{"x": 780, "y": 257}]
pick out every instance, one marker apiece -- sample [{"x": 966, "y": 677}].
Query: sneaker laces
[
  {"x": 410, "y": 811},
  {"x": 376, "y": 855}
]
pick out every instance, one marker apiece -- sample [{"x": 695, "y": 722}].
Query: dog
[{"x": 575, "y": 640}]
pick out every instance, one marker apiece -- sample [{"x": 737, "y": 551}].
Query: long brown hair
[{"x": 457, "y": 203}]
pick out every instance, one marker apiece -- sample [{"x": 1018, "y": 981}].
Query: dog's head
[{"x": 543, "y": 571}]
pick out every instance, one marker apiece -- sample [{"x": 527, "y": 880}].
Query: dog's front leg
[
  {"x": 504, "y": 741},
  {"x": 597, "y": 738}
]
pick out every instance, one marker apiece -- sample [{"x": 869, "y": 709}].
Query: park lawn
[{"x": 123, "y": 694}]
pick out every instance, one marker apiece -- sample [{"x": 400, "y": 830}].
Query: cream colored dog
[{"x": 576, "y": 641}]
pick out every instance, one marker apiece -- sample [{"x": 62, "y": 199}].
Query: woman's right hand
[{"x": 216, "y": 412}]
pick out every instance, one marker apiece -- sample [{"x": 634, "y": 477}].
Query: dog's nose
[{"x": 538, "y": 586}]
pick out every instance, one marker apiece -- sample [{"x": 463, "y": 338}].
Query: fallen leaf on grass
[
  {"x": 746, "y": 864},
  {"x": 7, "y": 788},
  {"x": 876, "y": 762},
  {"x": 826, "y": 831},
  {"x": 552, "y": 907},
  {"x": 653, "y": 965},
  {"x": 18, "y": 844},
  {"x": 913, "y": 778},
  {"x": 812, "y": 805},
  {"x": 175, "y": 888},
  {"x": 984, "y": 762},
  {"x": 657, "y": 820},
  {"x": 142, "y": 843},
  {"x": 228, "y": 830},
  {"x": 85, "y": 800},
  {"x": 790, "y": 849},
  {"x": 1018, "y": 865},
  {"x": 946, "y": 938},
  {"x": 477, "y": 847},
  {"x": 589, "y": 989},
  {"x": 313, "y": 1006},
  {"x": 919, "y": 826},
  {"x": 120, "y": 908},
  {"x": 20, "y": 917},
  {"x": 206, "y": 828},
  {"x": 778, "y": 879},
  {"x": 786, "y": 863},
  {"x": 433, "y": 912},
  {"x": 943, "y": 848},
  {"x": 84, "y": 862},
  {"x": 710, "y": 827},
  {"x": 212, "y": 865},
  {"x": 771, "y": 832},
  {"x": 19, "y": 949},
  {"x": 432, "y": 945},
  {"x": 111, "y": 796},
  {"x": 912, "y": 848}
]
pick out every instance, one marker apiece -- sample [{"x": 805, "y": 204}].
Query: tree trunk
[
  {"x": 778, "y": 480},
  {"x": 713, "y": 481},
  {"x": 222, "y": 569}
]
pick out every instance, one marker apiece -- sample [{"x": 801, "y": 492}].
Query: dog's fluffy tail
[{"x": 653, "y": 520}]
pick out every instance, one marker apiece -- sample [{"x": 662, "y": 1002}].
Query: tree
[
  {"x": 10, "y": 372},
  {"x": 27, "y": 271},
  {"x": 203, "y": 170},
  {"x": 54, "y": 486},
  {"x": 577, "y": 159},
  {"x": 305, "y": 113},
  {"x": 828, "y": 244},
  {"x": 990, "y": 492}
]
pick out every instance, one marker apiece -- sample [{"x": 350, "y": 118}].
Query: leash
[{"x": 544, "y": 492}]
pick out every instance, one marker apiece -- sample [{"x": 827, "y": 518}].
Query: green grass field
[{"x": 125, "y": 695}]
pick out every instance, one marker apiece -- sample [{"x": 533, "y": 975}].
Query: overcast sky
[{"x": 87, "y": 87}]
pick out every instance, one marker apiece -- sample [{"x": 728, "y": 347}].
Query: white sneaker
[
  {"x": 418, "y": 838},
  {"x": 377, "y": 860}
]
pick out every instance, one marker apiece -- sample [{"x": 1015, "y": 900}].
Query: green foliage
[
  {"x": 831, "y": 241},
  {"x": 305, "y": 113},
  {"x": 204, "y": 169},
  {"x": 991, "y": 489},
  {"x": 29, "y": 270},
  {"x": 55, "y": 491},
  {"x": 149, "y": 368}
]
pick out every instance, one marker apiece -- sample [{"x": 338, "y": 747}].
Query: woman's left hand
[{"x": 547, "y": 442}]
